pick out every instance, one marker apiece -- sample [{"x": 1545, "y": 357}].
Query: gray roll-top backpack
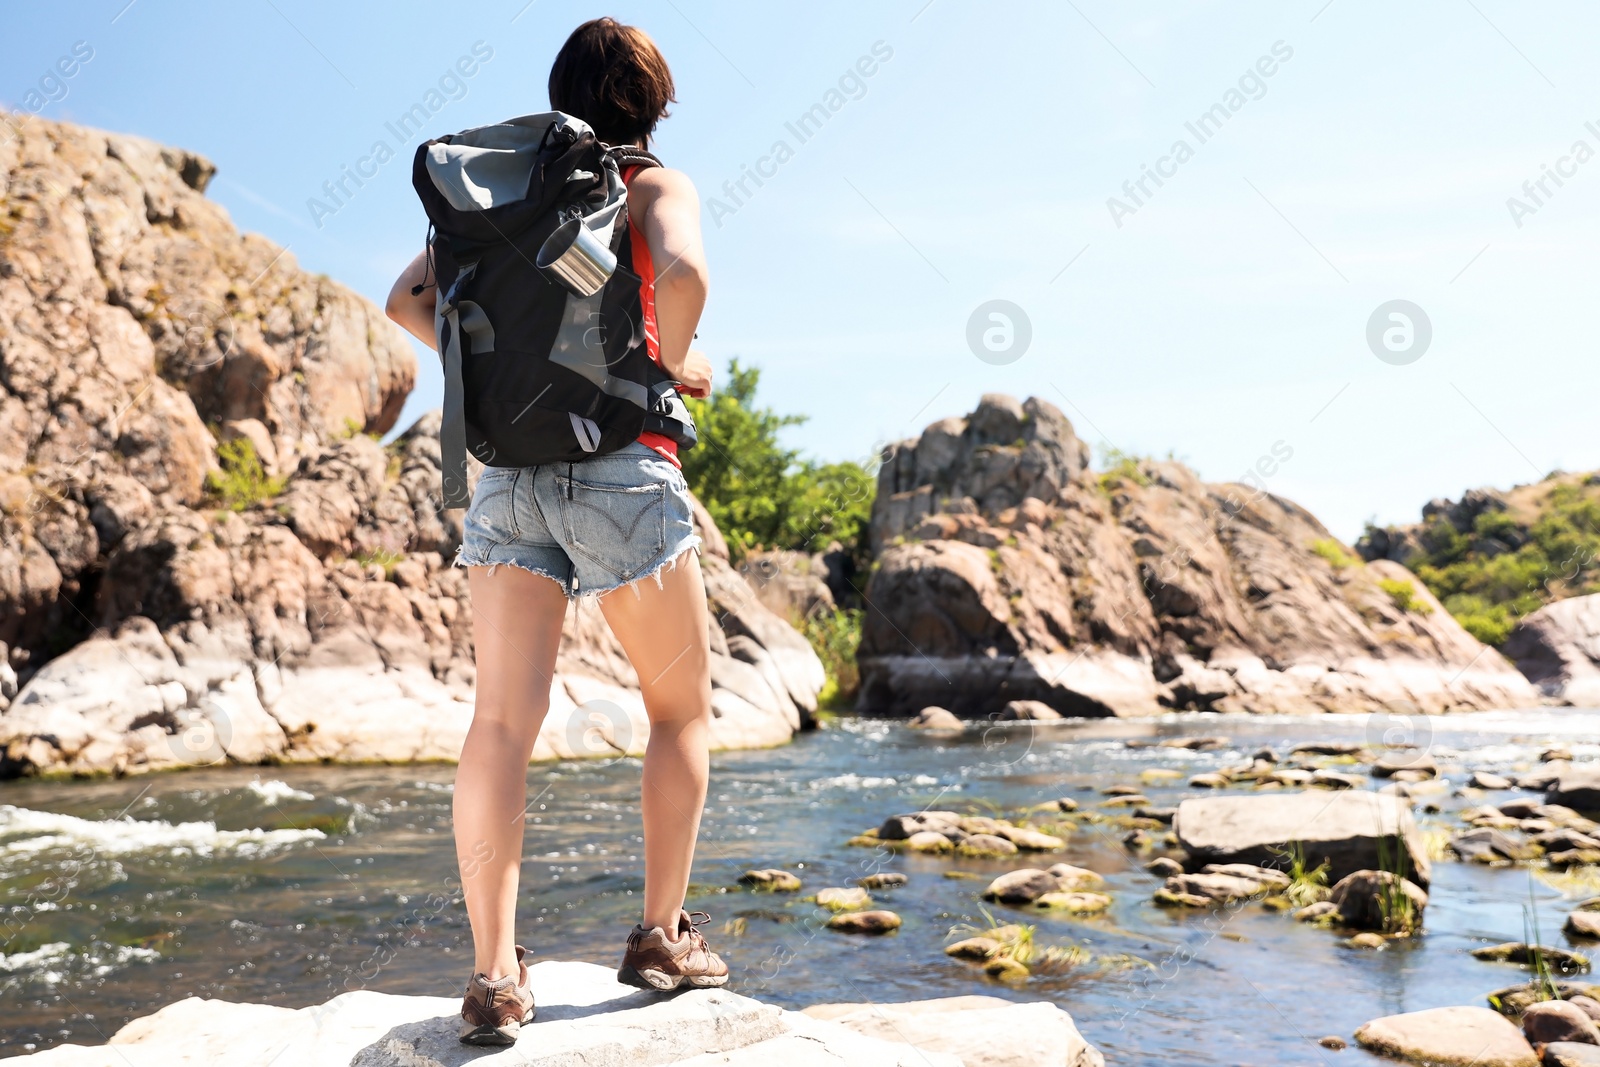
[{"x": 539, "y": 318}]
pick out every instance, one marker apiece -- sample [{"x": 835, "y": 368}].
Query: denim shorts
[{"x": 613, "y": 520}]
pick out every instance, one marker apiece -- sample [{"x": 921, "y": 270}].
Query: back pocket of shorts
[
  {"x": 620, "y": 527},
  {"x": 491, "y": 520}
]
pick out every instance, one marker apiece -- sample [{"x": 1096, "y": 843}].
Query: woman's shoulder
[{"x": 651, "y": 183}]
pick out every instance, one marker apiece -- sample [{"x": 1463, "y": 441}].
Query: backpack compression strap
[{"x": 453, "y": 429}]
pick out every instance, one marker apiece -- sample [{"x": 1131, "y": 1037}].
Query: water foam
[{"x": 24, "y": 831}]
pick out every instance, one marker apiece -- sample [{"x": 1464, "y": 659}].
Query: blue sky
[{"x": 1224, "y": 316}]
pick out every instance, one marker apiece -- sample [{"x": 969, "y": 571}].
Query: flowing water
[{"x": 288, "y": 885}]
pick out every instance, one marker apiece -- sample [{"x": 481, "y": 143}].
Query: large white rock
[
  {"x": 1347, "y": 829},
  {"x": 1449, "y": 1037},
  {"x": 1558, "y": 648},
  {"x": 982, "y": 1031},
  {"x": 585, "y": 1017}
]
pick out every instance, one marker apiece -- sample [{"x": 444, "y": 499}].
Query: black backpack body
[{"x": 535, "y": 372}]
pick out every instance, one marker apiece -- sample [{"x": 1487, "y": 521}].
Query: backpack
[{"x": 544, "y": 354}]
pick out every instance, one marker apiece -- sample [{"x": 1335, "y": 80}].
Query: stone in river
[
  {"x": 986, "y": 845},
  {"x": 1571, "y": 1054},
  {"x": 1455, "y": 1037},
  {"x": 1487, "y": 845},
  {"x": 1558, "y": 1020},
  {"x": 841, "y": 898},
  {"x": 773, "y": 880},
  {"x": 1583, "y": 924},
  {"x": 1164, "y": 867},
  {"x": 1023, "y": 710},
  {"x": 1362, "y": 899},
  {"x": 865, "y": 922},
  {"x": 937, "y": 719},
  {"x": 1486, "y": 780},
  {"x": 1350, "y": 831},
  {"x": 882, "y": 880},
  {"x": 973, "y": 948},
  {"x": 1559, "y": 960},
  {"x": 1078, "y": 903},
  {"x": 928, "y": 841}
]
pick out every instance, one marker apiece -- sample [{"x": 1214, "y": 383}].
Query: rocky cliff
[
  {"x": 205, "y": 551},
  {"x": 1007, "y": 569}
]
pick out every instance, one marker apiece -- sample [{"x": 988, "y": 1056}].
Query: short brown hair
[{"x": 614, "y": 78}]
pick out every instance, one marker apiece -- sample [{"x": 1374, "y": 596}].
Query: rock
[
  {"x": 1210, "y": 780},
  {"x": 1336, "y": 779},
  {"x": 902, "y": 827},
  {"x": 986, "y": 845},
  {"x": 1485, "y": 845},
  {"x": 1164, "y": 867},
  {"x": 932, "y": 718},
  {"x": 1583, "y": 924},
  {"x": 1322, "y": 909},
  {"x": 773, "y": 880},
  {"x": 1006, "y": 969},
  {"x": 1078, "y": 903},
  {"x": 1067, "y": 804},
  {"x": 865, "y": 922},
  {"x": 1334, "y": 1042},
  {"x": 1265, "y": 877},
  {"x": 1571, "y": 1054},
  {"x": 1368, "y": 940},
  {"x": 791, "y": 585},
  {"x": 1559, "y": 960},
  {"x": 1342, "y": 829},
  {"x": 1558, "y": 649},
  {"x": 980, "y": 1031},
  {"x": 1213, "y": 888},
  {"x": 1520, "y": 808},
  {"x": 1328, "y": 748},
  {"x": 584, "y": 1016},
  {"x": 1267, "y": 753},
  {"x": 1035, "y": 710},
  {"x": 1541, "y": 779},
  {"x": 1030, "y": 840},
  {"x": 1292, "y": 777},
  {"x": 1563, "y": 840},
  {"x": 1007, "y": 572},
  {"x": 882, "y": 880},
  {"x": 973, "y": 948},
  {"x": 929, "y": 841},
  {"x": 1558, "y": 1020},
  {"x": 1457, "y": 1037},
  {"x": 1485, "y": 780},
  {"x": 1126, "y": 800},
  {"x": 1512, "y": 1001},
  {"x": 1379, "y": 900},
  {"x": 1120, "y": 790},
  {"x": 1578, "y": 787},
  {"x": 1588, "y": 1005},
  {"x": 1417, "y": 766},
  {"x": 1163, "y": 815},
  {"x": 1028, "y": 884},
  {"x": 842, "y": 899},
  {"x": 1574, "y": 857}
]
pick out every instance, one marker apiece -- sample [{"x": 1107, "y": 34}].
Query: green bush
[
  {"x": 1335, "y": 553},
  {"x": 1404, "y": 595},
  {"x": 763, "y": 495},
  {"x": 1120, "y": 466},
  {"x": 835, "y": 635},
  {"x": 242, "y": 482}
]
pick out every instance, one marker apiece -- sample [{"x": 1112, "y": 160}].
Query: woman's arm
[
  {"x": 668, "y": 208},
  {"x": 414, "y": 313}
]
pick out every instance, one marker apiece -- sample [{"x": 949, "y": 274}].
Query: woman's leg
[
  {"x": 516, "y": 630},
  {"x": 665, "y": 633}
]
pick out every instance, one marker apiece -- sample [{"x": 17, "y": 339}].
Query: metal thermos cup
[{"x": 576, "y": 258}]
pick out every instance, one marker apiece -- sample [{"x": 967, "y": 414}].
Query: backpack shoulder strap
[{"x": 628, "y": 155}]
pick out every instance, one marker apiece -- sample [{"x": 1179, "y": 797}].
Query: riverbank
[{"x": 291, "y": 885}]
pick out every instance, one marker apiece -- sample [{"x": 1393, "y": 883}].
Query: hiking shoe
[
  {"x": 654, "y": 962},
  {"x": 492, "y": 1013}
]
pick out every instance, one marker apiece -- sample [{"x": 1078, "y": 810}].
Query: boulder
[
  {"x": 1577, "y": 786},
  {"x": 1487, "y": 780},
  {"x": 1557, "y": 959},
  {"x": 773, "y": 880},
  {"x": 1558, "y": 649},
  {"x": 791, "y": 585},
  {"x": 1378, "y": 900},
  {"x": 986, "y": 845},
  {"x": 585, "y": 1016},
  {"x": 1076, "y": 903},
  {"x": 1559, "y": 1020},
  {"x": 1449, "y": 1037},
  {"x": 901, "y": 827},
  {"x": 839, "y": 898},
  {"x": 1024, "y": 710},
  {"x": 1029, "y": 884},
  {"x": 1210, "y": 888},
  {"x": 882, "y": 880},
  {"x": 980, "y": 1031},
  {"x": 865, "y": 922},
  {"x": 1346, "y": 830},
  {"x": 1584, "y": 924},
  {"x": 974, "y": 948},
  {"x": 1571, "y": 1054},
  {"x": 1486, "y": 845},
  {"x": 934, "y": 718}
]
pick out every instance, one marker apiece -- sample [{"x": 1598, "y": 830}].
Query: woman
[{"x": 524, "y": 566}]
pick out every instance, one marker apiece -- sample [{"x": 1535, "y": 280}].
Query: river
[{"x": 288, "y": 885}]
